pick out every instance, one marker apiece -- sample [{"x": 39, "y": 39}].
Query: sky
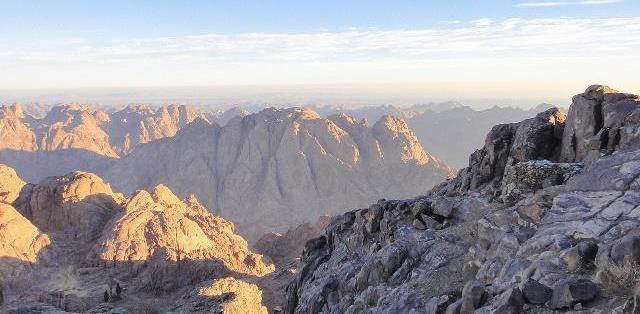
[{"x": 468, "y": 49}]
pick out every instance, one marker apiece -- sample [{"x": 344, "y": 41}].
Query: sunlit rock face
[
  {"x": 75, "y": 126},
  {"x": 226, "y": 295},
  {"x": 21, "y": 243},
  {"x": 67, "y": 239},
  {"x": 78, "y": 203},
  {"x": 139, "y": 124},
  {"x": 280, "y": 167},
  {"x": 10, "y": 184},
  {"x": 158, "y": 229},
  {"x": 15, "y": 132}
]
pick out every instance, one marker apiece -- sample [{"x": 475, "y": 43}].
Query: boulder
[
  {"x": 536, "y": 293},
  {"x": 627, "y": 250},
  {"x": 573, "y": 291},
  {"x": 510, "y": 302},
  {"x": 10, "y": 184},
  {"x": 473, "y": 295},
  {"x": 442, "y": 206}
]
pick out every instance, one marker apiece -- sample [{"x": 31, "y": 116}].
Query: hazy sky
[{"x": 456, "y": 49}]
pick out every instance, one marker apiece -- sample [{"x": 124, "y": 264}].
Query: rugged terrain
[
  {"x": 72, "y": 137},
  {"x": 71, "y": 244},
  {"x": 543, "y": 220},
  {"x": 436, "y": 124},
  {"x": 278, "y": 168},
  {"x": 267, "y": 171}
]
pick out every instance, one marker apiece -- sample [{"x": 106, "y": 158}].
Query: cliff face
[
  {"x": 280, "y": 167},
  {"x": 520, "y": 229}
]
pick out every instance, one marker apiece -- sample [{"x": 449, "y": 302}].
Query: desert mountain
[
  {"x": 75, "y": 126},
  {"x": 543, "y": 220},
  {"x": 277, "y": 168},
  {"x": 72, "y": 238},
  {"x": 435, "y": 124}
]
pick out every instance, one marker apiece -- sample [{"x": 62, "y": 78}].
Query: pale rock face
[
  {"x": 21, "y": 243},
  {"x": 79, "y": 127},
  {"x": 274, "y": 169},
  {"x": 226, "y": 295},
  {"x": 139, "y": 124},
  {"x": 74, "y": 127},
  {"x": 15, "y": 133},
  {"x": 79, "y": 203},
  {"x": 10, "y": 184}
]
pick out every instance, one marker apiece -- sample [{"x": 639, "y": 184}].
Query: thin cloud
[
  {"x": 546, "y": 4},
  {"x": 473, "y": 39}
]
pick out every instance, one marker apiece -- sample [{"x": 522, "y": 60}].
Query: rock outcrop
[
  {"x": 180, "y": 243},
  {"x": 79, "y": 204},
  {"x": 10, "y": 184},
  {"x": 226, "y": 295},
  {"x": 100, "y": 245},
  {"x": 600, "y": 120},
  {"x": 273, "y": 170},
  {"x": 534, "y": 223},
  {"x": 21, "y": 244}
]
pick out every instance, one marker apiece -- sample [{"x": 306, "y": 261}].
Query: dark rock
[
  {"x": 510, "y": 302},
  {"x": 418, "y": 224},
  {"x": 573, "y": 291},
  {"x": 600, "y": 119},
  {"x": 443, "y": 207},
  {"x": 431, "y": 223},
  {"x": 627, "y": 250},
  {"x": 473, "y": 295},
  {"x": 536, "y": 293},
  {"x": 454, "y": 308}
]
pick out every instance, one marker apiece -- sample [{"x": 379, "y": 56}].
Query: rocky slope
[
  {"x": 274, "y": 169},
  {"x": 544, "y": 219},
  {"x": 67, "y": 240}
]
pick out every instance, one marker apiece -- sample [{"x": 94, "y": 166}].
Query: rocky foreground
[
  {"x": 544, "y": 219},
  {"x": 71, "y": 244}
]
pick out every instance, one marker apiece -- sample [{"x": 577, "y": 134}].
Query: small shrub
[{"x": 627, "y": 275}]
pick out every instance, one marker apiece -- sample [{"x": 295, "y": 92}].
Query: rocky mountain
[
  {"x": 435, "y": 124},
  {"x": 274, "y": 169},
  {"x": 139, "y": 124},
  {"x": 543, "y": 220},
  {"x": 81, "y": 127},
  {"x": 71, "y": 244}
]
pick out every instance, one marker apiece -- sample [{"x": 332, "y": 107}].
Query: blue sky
[{"x": 421, "y": 46}]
